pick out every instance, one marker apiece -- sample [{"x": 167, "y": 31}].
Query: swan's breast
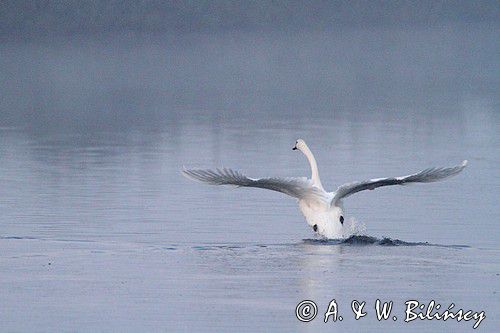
[{"x": 324, "y": 219}]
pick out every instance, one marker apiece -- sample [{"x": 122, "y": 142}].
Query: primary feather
[{"x": 425, "y": 176}]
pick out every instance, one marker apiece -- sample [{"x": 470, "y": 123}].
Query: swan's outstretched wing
[
  {"x": 424, "y": 176},
  {"x": 300, "y": 188}
]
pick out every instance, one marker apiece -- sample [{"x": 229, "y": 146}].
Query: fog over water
[
  {"x": 26, "y": 18},
  {"x": 103, "y": 103}
]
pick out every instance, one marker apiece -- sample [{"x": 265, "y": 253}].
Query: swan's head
[{"x": 299, "y": 144}]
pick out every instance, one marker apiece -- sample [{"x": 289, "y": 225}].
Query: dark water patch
[
  {"x": 72, "y": 240},
  {"x": 17, "y": 237},
  {"x": 47, "y": 239},
  {"x": 217, "y": 247},
  {"x": 370, "y": 240},
  {"x": 203, "y": 248}
]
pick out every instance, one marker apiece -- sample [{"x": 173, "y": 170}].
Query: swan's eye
[
  {"x": 315, "y": 227},
  {"x": 341, "y": 219}
]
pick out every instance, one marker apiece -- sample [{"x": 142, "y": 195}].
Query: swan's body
[{"x": 322, "y": 210}]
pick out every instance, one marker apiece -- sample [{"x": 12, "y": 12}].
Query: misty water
[{"x": 100, "y": 232}]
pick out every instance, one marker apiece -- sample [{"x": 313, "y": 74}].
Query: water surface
[{"x": 99, "y": 230}]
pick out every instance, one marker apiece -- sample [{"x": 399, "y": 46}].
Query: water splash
[
  {"x": 385, "y": 241},
  {"x": 353, "y": 228},
  {"x": 360, "y": 240}
]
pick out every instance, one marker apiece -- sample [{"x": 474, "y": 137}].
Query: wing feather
[
  {"x": 300, "y": 188},
  {"x": 425, "y": 176}
]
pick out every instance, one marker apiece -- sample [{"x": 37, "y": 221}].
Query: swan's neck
[{"x": 314, "y": 167}]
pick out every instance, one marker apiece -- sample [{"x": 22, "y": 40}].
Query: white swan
[{"x": 323, "y": 210}]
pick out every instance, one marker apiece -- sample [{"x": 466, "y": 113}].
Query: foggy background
[
  {"x": 41, "y": 17},
  {"x": 125, "y": 63}
]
